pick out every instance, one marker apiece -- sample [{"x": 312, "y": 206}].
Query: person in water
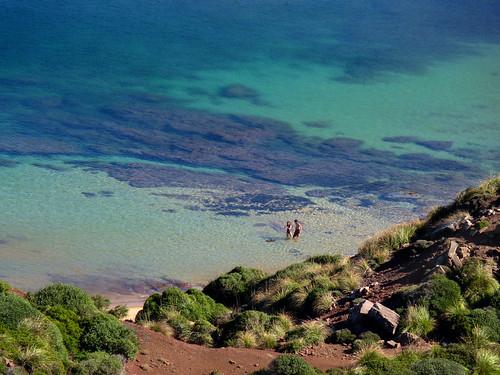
[
  {"x": 288, "y": 229},
  {"x": 298, "y": 229}
]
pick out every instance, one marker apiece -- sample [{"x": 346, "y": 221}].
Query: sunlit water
[{"x": 168, "y": 141}]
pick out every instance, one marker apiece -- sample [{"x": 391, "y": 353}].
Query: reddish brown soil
[{"x": 160, "y": 355}]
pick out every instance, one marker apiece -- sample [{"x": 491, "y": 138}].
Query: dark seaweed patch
[
  {"x": 6, "y": 163},
  {"x": 49, "y": 167}
]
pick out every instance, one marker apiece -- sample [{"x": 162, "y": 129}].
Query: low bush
[
  {"x": 418, "y": 321},
  {"x": 67, "y": 322},
  {"x": 14, "y": 309},
  {"x": 4, "y": 287},
  {"x": 379, "y": 248},
  {"x": 441, "y": 294},
  {"x": 460, "y": 353},
  {"x": 438, "y": 366},
  {"x": 477, "y": 281},
  {"x": 119, "y": 311},
  {"x": 343, "y": 336},
  {"x": 99, "y": 363},
  {"x": 193, "y": 305},
  {"x": 202, "y": 333},
  {"x": 67, "y": 296},
  {"x": 101, "y": 302},
  {"x": 288, "y": 364},
  {"x": 374, "y": 363},
  {"x": 235, "y": 287},
  {"x": 307, "y": 334},
  {"x": 103, "y": 332},
  {"x": 36, "y": 345},
  {"x": 462, "y": 325}
]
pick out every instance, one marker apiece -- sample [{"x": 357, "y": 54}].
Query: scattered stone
[
  {"x": 364, "y": 291},
  {"x": 392, "y": 344},
  {"x": 231, "y": 362},
  {"x": 145, "y": 367},
  {"x": 453, "y": 259},
  {"x": 144, "y": 352},
  {"x": 385, "y": 318}
]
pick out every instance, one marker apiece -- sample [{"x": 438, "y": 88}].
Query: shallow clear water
[{"x": 148, "y": 143}]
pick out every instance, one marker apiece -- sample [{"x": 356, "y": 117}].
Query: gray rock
[
  {"x": 359, "y": 313},
  {"x": 392, "y": 344},
  {"x": 386, "y": 319},
  {"x": 453, "y": 259}
]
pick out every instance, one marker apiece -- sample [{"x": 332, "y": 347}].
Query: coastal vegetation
[{"x": 59, "y": 330}]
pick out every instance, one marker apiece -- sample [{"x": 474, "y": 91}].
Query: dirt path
[{"x": 159, "y": 355}]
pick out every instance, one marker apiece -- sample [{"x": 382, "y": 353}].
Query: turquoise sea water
[{"x": 143, "y": 143}]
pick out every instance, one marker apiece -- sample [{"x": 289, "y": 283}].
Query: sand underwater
[{"x": 143, "y": 145}]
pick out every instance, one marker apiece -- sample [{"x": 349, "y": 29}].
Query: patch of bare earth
[{"x": 159, "y": 354}]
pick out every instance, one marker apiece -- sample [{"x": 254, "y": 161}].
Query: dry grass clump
[
  {"x": 307, "y": 289},
  {"x": 378, "y": 249}
]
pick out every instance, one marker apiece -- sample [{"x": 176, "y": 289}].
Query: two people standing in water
[{"x": 296, "y": 232}]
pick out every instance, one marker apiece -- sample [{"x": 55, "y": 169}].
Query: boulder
[
  {"x": 456, "y": 254},
  {"x": 359, "y": 313},
  {"x": 386, "y": 319}
]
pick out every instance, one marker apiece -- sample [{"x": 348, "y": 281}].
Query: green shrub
[
  {"x": 343, "y": 336},
  {"x": 193, "y": 305},
  {"x": 4, "y": 287},
  {"x": 201, "y": 333},
  {"x": 103, "y": 332},
  {"x": 374, "y": 363},
  {"x": 99, "y": 363},
  {"x": 462, "y": 325},
  {"x": 438, "y": 366},
  {"x": 291, "y": 365},
  {"x": 67, "y": 296},
  {"x": 101, "y": 302},
  {"x": 36, "y": 344},
  {"x": 441, "y": 294},
  {"x": 119, "y": 311},
  {"x": 14, "y": 309},
  {"x": 67, "y": 322},
  {"x": 482, "y": 224},
  {"x": 478, "y": 283},
  {"x": 307, "y": 334},
  {"x": 418, "y": 321},
  {"x": 234, "y": 288},
  {"x": 460, "y": 353}
]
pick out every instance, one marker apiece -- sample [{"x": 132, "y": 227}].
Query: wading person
[
  {"x": 298, "y": 229},
  {"x": 288, "y": 229}
]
